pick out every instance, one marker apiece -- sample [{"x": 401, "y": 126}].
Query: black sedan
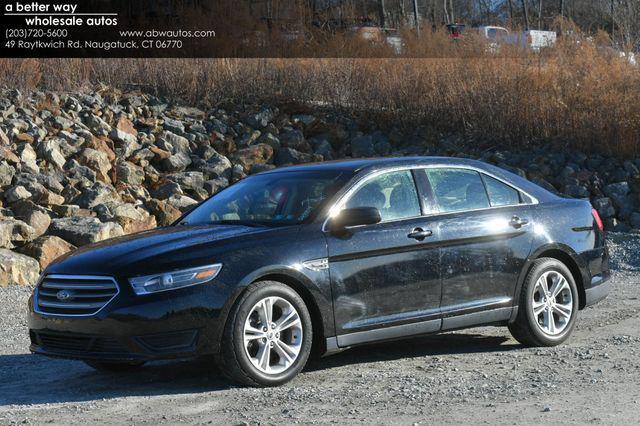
[{"x": 323, "y": 257}]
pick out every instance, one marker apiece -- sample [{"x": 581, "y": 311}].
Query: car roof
[
  {"x": 367, "y": 165},
  {"x": 360, "y": 164}
]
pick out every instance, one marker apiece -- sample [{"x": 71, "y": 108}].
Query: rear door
[
  {"x": 485, "y": 236},
  {"x": 385, "y": 274}
]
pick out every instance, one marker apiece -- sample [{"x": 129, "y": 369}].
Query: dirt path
[{"x": 480, "y": 376}]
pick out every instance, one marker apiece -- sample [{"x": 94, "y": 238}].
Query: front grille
[
  {"x": 74, "y": 295},
  {"x": 77, "y": 343}
]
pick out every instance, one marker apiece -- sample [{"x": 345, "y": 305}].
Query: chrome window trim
[
  {"x": 73, "y": 277},
  {"x": 338, "y": 205}
]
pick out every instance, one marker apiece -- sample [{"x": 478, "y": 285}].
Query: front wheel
[
  {"x": 268, "y": 336},
  {"x": 548, "y": 305}
]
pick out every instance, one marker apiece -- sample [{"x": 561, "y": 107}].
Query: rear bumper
[{"x": 599, "y": 290}]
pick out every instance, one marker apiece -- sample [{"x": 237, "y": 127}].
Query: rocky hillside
[{"x": 78, "y": 168}]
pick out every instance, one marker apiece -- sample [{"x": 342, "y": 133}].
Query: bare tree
[
  {"x": 539, "y": 14},
  {"x": 526, "y": 15}
]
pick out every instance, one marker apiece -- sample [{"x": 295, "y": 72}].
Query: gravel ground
[{"x": 480, "y": 376}]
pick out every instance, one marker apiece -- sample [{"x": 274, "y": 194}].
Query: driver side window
[{"x": 394, "y": 194}]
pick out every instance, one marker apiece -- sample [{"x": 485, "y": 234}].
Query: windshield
[{"x": 281, "y": 198}]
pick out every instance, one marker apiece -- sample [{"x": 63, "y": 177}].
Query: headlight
[{"x": 173, "y": 280}]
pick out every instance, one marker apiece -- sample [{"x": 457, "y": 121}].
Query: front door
[{"x": 386, "y": 275}]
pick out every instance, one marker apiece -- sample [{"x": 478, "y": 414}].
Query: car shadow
[
  {"x": 33, "y": 379},
  {"x": 440, "y": 344}
]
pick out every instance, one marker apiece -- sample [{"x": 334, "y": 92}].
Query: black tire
[
  {"x": 526, "y": 329},
  {"x": 233, "y": 359},
  {"x": 114, "y": 367}
]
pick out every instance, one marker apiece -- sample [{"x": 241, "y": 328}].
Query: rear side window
[
  {"x": 501, "y": 194},
  {"x": 457, "y": 190}
]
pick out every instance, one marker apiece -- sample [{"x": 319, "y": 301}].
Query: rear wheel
[
  {"x": 268, "y": 336},
  {"x": 114, "y": 367},
  {"x": 548, "y": 305}
]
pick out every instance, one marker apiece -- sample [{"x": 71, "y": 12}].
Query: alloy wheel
[
  {"x": 273, "y": 335},
  {"x": 552, "y": 303}
]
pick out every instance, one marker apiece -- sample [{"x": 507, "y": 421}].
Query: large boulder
[
  {"x": 46, "y": 249},
  {"x": 80, "y": 231},
  {"x": 133, "y": 219},
  {"x": 164, "y": 212},
  {"x": 33, "y": 215},
  {"x": 15, "y": 231},
  {"x": 257, "y": 154},
  {"x": 97, "y": 161},
  {"x": 129, "y": 173},
  {"x": 176, "y": 163},
  {"x": 6, "y": 174},
  {"x": 16, "y": 268}
]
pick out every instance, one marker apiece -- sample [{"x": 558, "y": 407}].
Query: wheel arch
[
  {"x": 320, "y": 309},
  {"x": 564, "y": 254}
]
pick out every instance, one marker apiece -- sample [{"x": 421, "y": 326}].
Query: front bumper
[{"x": 178, "y": 324}]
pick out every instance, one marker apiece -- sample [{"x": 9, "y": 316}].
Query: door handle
[
  {"x": 517, "y": 222},
  {"x": 420, "y": 234}
]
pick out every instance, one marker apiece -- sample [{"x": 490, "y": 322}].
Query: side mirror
[{"x": 356, "y": 217}]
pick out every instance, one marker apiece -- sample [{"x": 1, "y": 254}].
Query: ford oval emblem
[{"x": 63, "y": 295}]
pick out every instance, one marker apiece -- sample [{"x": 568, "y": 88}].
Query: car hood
[{"x": 154, "y": 251}]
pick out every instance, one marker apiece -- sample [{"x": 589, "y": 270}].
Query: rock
[
  {"x": 97, "y": 125},
  {"x": 99, "y": 193},
  {"x": 17, "y": 193},
  {"x": 48, "y": 198},
  {"x": 576, "y": 191},
  {"x": 249, "y": 138},
  {"x": 362, "y": 146},
  {"x": 604, "y": 207},
  {"x": 261, "y": 119},
  {"x": 80, "y": 231},
  {"x": 133, "y": 219},
  {"x": 256, "y": 154},
  {"x": 181, "y": 202},
  {"x": 219, "y": 166},
  {"x": 26, "y": 153},
  {"x": 7, "y": 155},
  {"x": 124, "y": 125},
  {"x": 17, "y": 268},
  {"x": 166, "y": 189},
  {"x": 46, "y": 249},
  {"x": 292, "y": 139},
  {"x": 214, "y": 186},
  {"x": 55, "y": 157},
  {"x": 125, "y": 143},
  {"x": 306, "y": 119},
  {"x": 15, "y": 231},
  {"x": 174, "y": 143},
  {"x": 6, "y": 174},
  {"x": 98, "y": 161},
  {"x": 81, "y": 173},
  {"x": 103, "y": 146},
  {"x": 176, "y": 163},
  {"x": 188, "y": 180},
  {"x": 3, "y": 138},
  {"x": 164, "y": 212},
  {"x": 291, "y": 156},
  {"x": 270, "y": 140},
  {"x": 129, "y": 173},
  {"x": 172, "y": 125},
  {"x": 634, "y": 220}
]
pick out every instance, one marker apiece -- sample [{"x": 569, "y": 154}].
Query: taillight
[{"x": 596, "y": 217}]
